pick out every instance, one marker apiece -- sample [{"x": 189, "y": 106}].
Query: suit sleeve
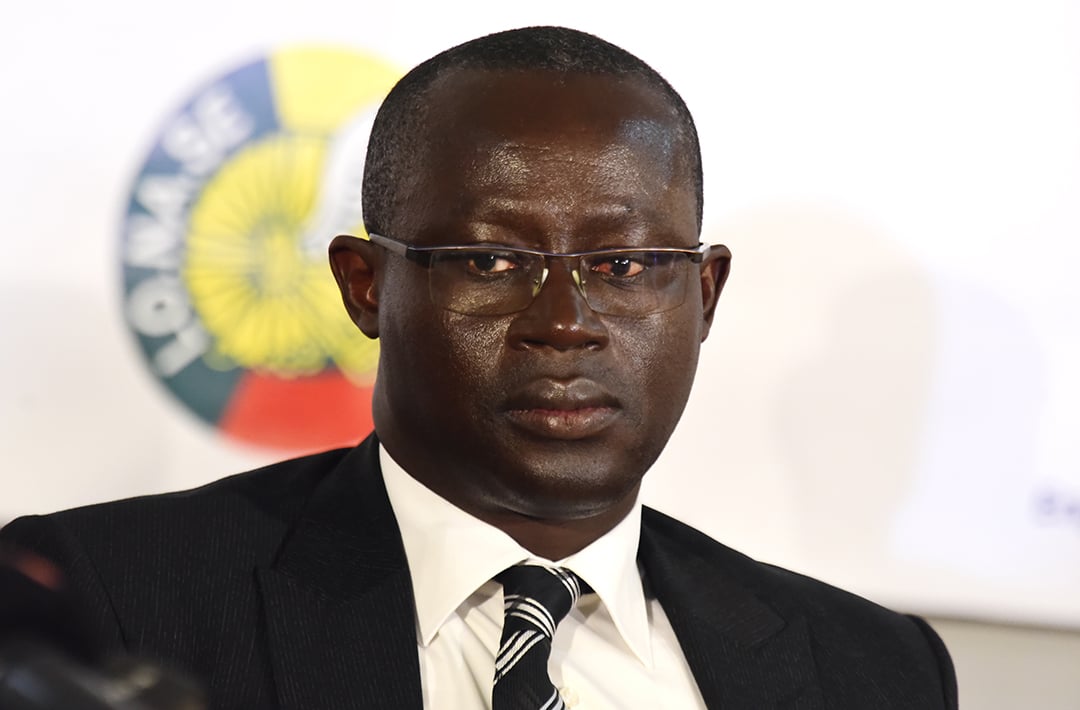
[{"x": 48, "y": 537}]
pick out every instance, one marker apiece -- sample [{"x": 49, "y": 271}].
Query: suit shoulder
[
  {"x": 853, "y": 639},
  {"x": 272, "y": 486},
  {"x": 767, "y": 581},
  {"x": 236, "y": 510}
]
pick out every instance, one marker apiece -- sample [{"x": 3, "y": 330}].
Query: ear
[
  {"x": 714, "y": 273},
  {"x": 356, "y": 264}
]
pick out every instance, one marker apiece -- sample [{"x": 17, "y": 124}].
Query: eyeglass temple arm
[
  {"x": 392, "y": 245},
  {"x": 700, "y": 252},
  {"x": 400, "y": 248}
]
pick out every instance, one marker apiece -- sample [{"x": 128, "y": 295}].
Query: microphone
[{"x": 49, "y": 659}]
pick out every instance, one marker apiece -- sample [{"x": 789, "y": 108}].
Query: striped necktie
[{"x": 536, "y": 600}]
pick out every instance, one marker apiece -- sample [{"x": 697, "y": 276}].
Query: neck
[{"x": 557, "y": 539}]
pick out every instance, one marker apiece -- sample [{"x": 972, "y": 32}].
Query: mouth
[{"x": 556, "y": 409}]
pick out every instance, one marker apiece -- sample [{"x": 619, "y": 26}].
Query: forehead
[
  {"x": 499, "y": 99},
  {"x": 474, "y": 110},
  {"x": 516, "y": 140}
]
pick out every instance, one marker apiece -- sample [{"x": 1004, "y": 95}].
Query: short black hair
[{"x": 395, "y": 135}]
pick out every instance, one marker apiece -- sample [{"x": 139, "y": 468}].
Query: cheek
[
  {"x": 473, "y": 349},
  {"x": 454, "y": 362},
  {"x": 662, "y": 353}
]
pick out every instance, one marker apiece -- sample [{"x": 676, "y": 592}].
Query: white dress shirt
[{"x": 616, "y": 649}]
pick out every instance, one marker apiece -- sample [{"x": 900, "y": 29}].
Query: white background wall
[{"x": 889, "y": 399}]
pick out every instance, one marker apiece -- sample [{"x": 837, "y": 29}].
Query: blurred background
[{"x": 889, "y": 399}]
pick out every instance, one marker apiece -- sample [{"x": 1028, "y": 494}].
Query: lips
[{"x": 561, "y": 409}]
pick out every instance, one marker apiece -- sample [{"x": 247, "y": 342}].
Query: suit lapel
[
  {"x": 338, "y": 601},
  {"x": 741, "y": 652}
]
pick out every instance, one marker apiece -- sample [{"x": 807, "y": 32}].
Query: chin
[{"x": 573, "y": 494}]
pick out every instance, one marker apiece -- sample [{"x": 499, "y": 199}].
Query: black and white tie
[{"x": 536, "y": 600}]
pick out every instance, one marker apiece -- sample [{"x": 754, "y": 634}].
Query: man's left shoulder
[
  {"x": 849, "y": 636},
  {"x": 785, "y": 591}
]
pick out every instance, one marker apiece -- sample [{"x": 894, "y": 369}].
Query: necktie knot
[
  {"x": 536, "y": 599},
  {"x": 539, "y": 596}
]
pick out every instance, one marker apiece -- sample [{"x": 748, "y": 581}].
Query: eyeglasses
[{"x": 490, "y": 280}]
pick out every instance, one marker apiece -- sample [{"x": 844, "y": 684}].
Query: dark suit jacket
[{"x": 288, "y": 587}]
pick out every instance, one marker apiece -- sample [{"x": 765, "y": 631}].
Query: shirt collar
[{"x": 452, "y": 554}]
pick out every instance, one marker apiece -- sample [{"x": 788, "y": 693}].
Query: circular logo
[{"x": 227, "y": 287}]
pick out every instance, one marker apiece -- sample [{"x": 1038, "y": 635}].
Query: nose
[{"x": 559, "y": 317}]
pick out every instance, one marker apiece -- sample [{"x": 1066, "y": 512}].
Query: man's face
[{"x": 554, "y": 412}]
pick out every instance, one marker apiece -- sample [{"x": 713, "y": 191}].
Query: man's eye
[
  {"x": 619, "y": 267},
  {"x": 487, "y": 263}
]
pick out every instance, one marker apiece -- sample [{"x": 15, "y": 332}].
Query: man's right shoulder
[{"x": 247, "y": 512}]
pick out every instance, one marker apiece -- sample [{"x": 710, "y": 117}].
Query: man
[{"x": 534, "y": 275}]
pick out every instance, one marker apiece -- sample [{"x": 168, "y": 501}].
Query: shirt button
[{"x": 569, "y": 696}]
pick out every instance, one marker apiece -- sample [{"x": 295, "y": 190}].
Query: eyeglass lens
[{"x": 631, "y": 283}]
